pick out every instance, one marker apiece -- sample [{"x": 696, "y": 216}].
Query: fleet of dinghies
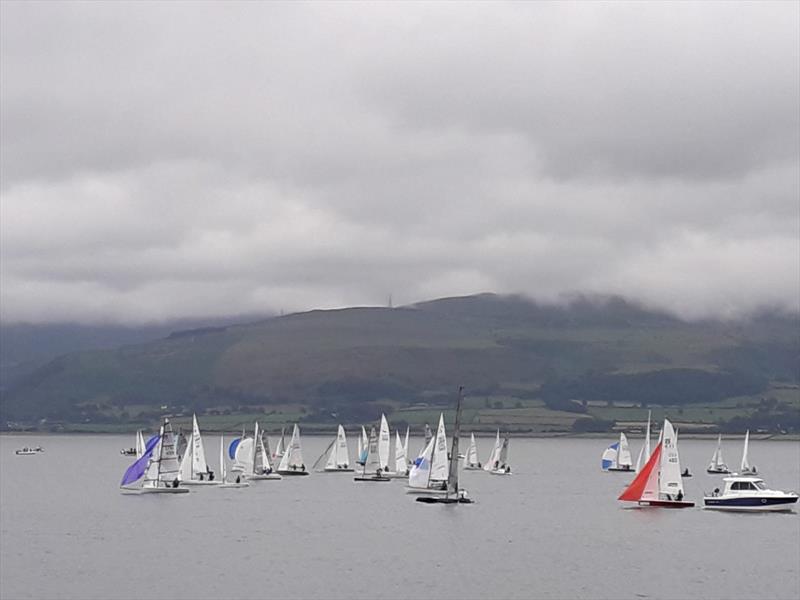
[{"x": 433, "y": 476}]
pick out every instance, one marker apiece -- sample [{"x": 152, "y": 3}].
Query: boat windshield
[{"x": 760, "y": 485}]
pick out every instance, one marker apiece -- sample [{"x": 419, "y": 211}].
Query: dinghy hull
[
  {"x": 437, "y": 500},
  {"x": 343, "y": 470},
  {"x": 226, "y": 486},
  {"x": 164, "y": 490},
  {"x": 426, "y": 491},
  {"x": 376, "y": 478},
  {"x": 267, "y": 477},
  {"x": 293, "y": 473},
  {"x": 666, "y": 503},
  {"x": 198, "y": 482}
]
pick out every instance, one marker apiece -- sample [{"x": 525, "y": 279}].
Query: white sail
[
  {"x": 428, "y": 437},
  {"x": 644, "y": 453},
  {"x": 163, "y": 465},
  {"x": 151, "y": 473},
  {"x": 745, "y": 467},
  {"x": 503, "y": 458},
  {"x": 494, "y": 455},
  {"x": 243, "y": 457},
  {"x": 471, "y": 457},
  {"x": 400, "y": 464},
  {"x": 185, "y": 469},
  {"x": 338, "y": 457},
  {"x": 262, "y": 459},
  {"x": 609, "y": 458},
  {"x": 284, "y": 463},
  {"x": 670, "y": 483},
  {"x": 440, "y": 466},
  {"x": 419, "y": 476},
  {"x": 384, "y": 444},
  {"x": 199, "y": 464},
  {"x": 405, "y": 443},
  {"x": 717, "y": 462},
  {"x": 280, "y": 449},
  {"x": 140, "y": 446},
  {"x": 373, "y": 462},
  {"x": 624, "y": 457},
  {"x": 294, "y": 451}
]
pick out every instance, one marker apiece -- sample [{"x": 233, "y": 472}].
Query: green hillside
[{"x": 534, "y": 366}]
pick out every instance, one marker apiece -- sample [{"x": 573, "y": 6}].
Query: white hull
[
  {"x": 164, "y": 490},
  {"x": 242, "y": 484},
  {"x": 473, "y": 468},
  {"x": 392, "y": 475},
  {"x": 500, "y": 472},
  {"x": 768, "y": 508},
  {"x": 337, "y": 470},
  {"x": 266, "y": 477},
  {"x": 198, "y": 482}
]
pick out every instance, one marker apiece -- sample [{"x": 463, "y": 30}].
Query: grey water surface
[{"x": 554, "y": 529}]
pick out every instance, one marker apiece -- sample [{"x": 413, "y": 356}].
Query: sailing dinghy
[
  {"x": 501, "y": 466},
  {"x": 371, "y": 469},
  {"x": 471, "y": 462},
  {"x": 494, "y": 456},
  {"x": 224, "y": 483},
  {"x": 617, "y": 457},
  {"x": 430, "y": 470},
  {"x": 292, "y": 461},
  {"x": 338, "y": 456},
  {"x": 717, "y": 465},
  {"x": 401, "y": 469},
  {"x": 453, "y": 493},
  {"x": 194, "y": 469},
  {"x": 257, "y": 465},
  {"x": 659, "y": 483},
  {"x": 161, "y": 475}
]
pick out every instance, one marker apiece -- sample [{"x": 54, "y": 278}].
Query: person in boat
[
  {"x": 302, "y": 467},
  {"x": 211, "y": 475},
  {"x": 680, "y": 495},
  {"x": 686, "y": 472},
  {"x": 716, "y": 492},
  {"x": 201, "y": 477},
  {"x": 508, "y": 469},
  {"x": 238, "y": 479},
  {"x": 175, "y": 482}
]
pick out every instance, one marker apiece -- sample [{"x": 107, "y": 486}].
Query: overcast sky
[{"x": 165, "y": 160}]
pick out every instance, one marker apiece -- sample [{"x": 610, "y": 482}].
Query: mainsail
[
  {"x": 717, "y": 462},
  {"x": 400, "y": 464},
  {"x": 384, "y": 444},
  {"x": 162, "y": 469},
  {"x": 440, "y": 465},
  {"x": 452, "y": 475},
  {"x": 494, "y": 455},
  {"x": 670, "y": 482},
  {"x": 471, "y": 457}
]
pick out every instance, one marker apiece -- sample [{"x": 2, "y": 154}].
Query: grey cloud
[{"x": 191, "y": 160}]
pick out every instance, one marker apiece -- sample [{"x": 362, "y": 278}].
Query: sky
[{"x": 194, "y": 160}]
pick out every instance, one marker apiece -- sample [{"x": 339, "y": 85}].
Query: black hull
[
  {"x": 291, "y": 473},
  {"x": 622, "y": 470},
  {"x": 371, "y": 479},
  {"x": 435, "y": 500}
]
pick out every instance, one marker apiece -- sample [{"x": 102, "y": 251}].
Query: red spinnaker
[{"x": 634, "y": 491}]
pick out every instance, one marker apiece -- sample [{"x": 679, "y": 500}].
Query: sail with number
[
  {"x": 339, "y": 457},
  {"x": 670, "y": 482},
  {"x": 162, "y": 470},
  {"x": 440, "y": 465}
]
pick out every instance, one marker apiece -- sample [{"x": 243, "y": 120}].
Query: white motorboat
[
  {"x": 749, "y": 494},
  {"x": 26, "y": 451}
]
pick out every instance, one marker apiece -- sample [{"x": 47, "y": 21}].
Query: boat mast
[{"x": 453, "y": 474}]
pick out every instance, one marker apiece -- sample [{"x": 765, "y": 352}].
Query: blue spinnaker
[
  {"x": 137, "y": 469},
  {"x": 232, "y": 448}
]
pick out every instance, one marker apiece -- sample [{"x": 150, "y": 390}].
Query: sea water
[{"x": 553, "y": 529}]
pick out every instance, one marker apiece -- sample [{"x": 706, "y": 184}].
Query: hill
[{"x": 350, "y": 364}]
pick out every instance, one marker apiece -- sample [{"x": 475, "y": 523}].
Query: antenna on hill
[{"x": 390, "y": 301}]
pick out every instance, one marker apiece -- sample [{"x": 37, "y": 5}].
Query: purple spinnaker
[{"x": 137, "y": 469}]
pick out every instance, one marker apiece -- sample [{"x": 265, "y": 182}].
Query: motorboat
[
  {"x": 749, "y": 494},
  {"x": 26, "y": 451}
]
